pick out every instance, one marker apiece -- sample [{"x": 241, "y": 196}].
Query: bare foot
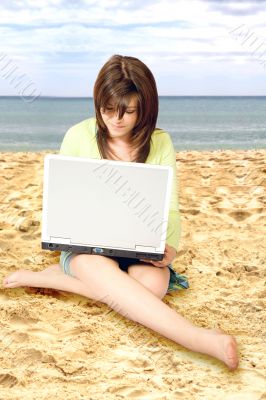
[
  {"x": 218, "y": 344},
  {"x": 30, "y": 281},
  {"x": 226, "y": 349},
  {"x": 25, "y": 277},
  {"x": 229, "y": 348},
  {"x": 51, "y": 270},
  {"x": 21, "y": 277}
]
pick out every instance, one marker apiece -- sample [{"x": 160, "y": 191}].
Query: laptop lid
[{"x": 107, "y": 207}]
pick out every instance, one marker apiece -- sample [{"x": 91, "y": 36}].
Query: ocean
[{"x": 194, "y": 123}]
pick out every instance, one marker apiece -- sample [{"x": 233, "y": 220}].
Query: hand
[{"x": 169, "y": 255}]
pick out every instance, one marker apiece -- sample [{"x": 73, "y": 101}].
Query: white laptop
[{"x": 105, "y": 207}]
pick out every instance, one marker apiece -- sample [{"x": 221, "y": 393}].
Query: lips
[{"x": 118, "y": 126}]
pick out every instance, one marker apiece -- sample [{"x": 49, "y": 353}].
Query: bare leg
[
  {"x": 130, "y": 298},
  {"x": 51, "y": 277},
  {"x": 54, "y": 269},
  {"x": 102, "y": 280}
]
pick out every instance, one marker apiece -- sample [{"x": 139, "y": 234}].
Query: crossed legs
[{"x": 100, "y": 278}]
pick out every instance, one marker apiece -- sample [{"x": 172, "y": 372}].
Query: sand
[{"x": 65, "y": 346}]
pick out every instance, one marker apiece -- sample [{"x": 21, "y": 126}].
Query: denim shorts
[{"x": 176, "y": 281}]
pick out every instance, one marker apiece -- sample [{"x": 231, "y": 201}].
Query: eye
[
  {"x": 130, "y": 112},
  {"x": 107, "y": 110}
]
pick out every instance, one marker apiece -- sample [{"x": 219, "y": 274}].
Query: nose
[{"x": 116, "y": 117}]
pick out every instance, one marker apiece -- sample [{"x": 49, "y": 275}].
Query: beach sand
[{"x": 65, "y": 346}]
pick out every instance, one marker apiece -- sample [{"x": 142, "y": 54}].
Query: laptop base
[{"x": 100, "y": 251}]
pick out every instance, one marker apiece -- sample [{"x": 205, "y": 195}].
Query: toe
[
  {"x": 7, "y": 279},
  {"x": 11, "y": 285}
]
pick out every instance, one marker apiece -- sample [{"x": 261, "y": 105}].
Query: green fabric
[
  {"x": 177, "y": 281},
  {"x": 80, "y": 141}
]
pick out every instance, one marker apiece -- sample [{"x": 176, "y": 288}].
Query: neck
[{"x": 120, "y": 142}]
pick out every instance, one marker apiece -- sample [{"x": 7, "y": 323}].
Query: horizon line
[{"x": 90, "y": 97}]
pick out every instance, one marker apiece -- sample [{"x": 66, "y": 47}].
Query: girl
[{"x": 126, "y": 108}]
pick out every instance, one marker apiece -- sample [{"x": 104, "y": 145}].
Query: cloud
[
  {"x": 237, "y": 8},
  {"x": 54, "y": 35}
]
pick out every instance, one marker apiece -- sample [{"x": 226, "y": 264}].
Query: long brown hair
[{"x": 120, "y": 79}]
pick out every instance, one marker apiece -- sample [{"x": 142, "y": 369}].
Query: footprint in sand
[
  {"x": 239, "y": 215},
  {"x": 28, "y": 356},
  {"x": 130, "y": 392},
  {"x": 8, "y": 380},
  {"x": 23, "y": 329},
  {"x": 49, "y": 335},
  {"x": 132, "y": 363},
  {"x": 28, "y": 237},
  {"x": 42, "y": 334},
  {"x": 17, "y": 321},
  {"x": 69, "y": 333},
  {"x": 8, "y": 234},
  {"x": 30, "y": 332},
  {"x": 25, "y": 325}
]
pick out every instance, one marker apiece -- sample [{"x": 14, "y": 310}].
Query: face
[{"x": 120, "y": 128}]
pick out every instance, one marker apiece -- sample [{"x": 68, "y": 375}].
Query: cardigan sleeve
[{"x": 174, "y": 221}]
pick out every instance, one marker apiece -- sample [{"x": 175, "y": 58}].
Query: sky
[{"x": 193, "y": 47}]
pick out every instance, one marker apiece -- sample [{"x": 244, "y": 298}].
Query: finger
[
  {"x": 149, "y": 260},
  {"x": 162, "y": 263},
  {"x": 155, "y": 263},
  {"x": 158, "y": 263}
]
